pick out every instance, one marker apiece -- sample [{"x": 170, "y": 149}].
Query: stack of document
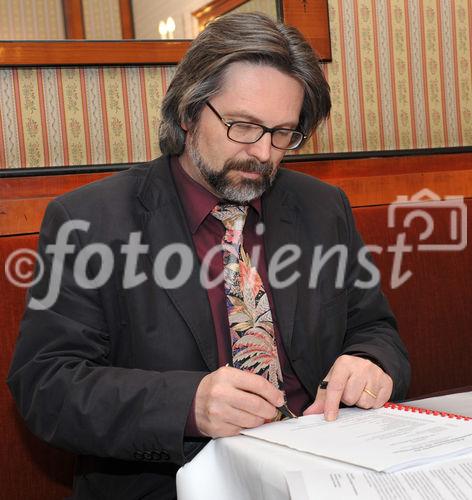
[
  {"x": 384, "y": 440},
  {"x": 451, "y": 480},
  {"x": 435, "y": 449}
]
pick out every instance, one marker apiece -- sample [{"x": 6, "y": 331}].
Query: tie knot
[{"x": 232, "y": 216}]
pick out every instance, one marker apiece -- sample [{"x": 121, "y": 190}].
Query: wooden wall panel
[
  {"x": 378, "y": 181},
  {"x": 311, "y": 18},
  {"x": 433, "y": 306},
  {"x": 366, "y": 181},
  {"x": 24, "y": 199},
  {"x": 90, "y": 53},
  {"x": 29, "y": 468},
  {"x": 74, "y": 19},
  {"x": 126, "y": 14}
]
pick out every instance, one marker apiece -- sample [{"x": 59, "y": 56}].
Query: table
[{"x": 245, "y": 468}]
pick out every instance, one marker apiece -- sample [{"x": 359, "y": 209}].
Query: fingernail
[{"x": 330, "y": 416}]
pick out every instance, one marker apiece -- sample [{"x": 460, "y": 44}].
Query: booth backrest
[
  {"x": 432, "y": 307},
  {"x": 29, "y": 468}
]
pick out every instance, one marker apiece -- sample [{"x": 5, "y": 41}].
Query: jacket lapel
[
  {"x": 164, "y": 224},
  {"x": 281, "y": 223}
]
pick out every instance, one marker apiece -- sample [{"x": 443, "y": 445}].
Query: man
[{"x": 216, "y": 313}]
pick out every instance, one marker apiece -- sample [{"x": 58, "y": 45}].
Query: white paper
[
  {"x": 452, "y": 480},
  {"x": 382, "y": 440},
  {"x": 460, "y": 403}
]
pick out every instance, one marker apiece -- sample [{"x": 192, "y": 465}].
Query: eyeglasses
[{"x": 249, "y": 133}]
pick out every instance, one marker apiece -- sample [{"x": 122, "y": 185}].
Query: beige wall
[
  {"x": 31, "y": 20},
  {"x": 102, "y": 19}
]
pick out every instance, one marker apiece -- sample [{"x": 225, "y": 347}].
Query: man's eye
[
  {"x": 245, "y": 126},
  {"x": 284, "y": 133}
]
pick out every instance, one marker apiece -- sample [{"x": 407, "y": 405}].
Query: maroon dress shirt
[{"x": 207, "y": 232}]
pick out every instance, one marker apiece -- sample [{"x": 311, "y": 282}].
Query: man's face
[{"x": 233, "y": 171}]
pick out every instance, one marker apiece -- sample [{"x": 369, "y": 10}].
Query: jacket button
[
  {"x": 147, "y": 455},
  {"x": 165, "y": 455},
  {"x": 138, "y": 455}
]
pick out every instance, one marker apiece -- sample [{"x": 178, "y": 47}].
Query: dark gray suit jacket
[{"x": 110, "y": 373}]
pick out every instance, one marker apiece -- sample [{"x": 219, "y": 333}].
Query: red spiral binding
[{"x": 415, "y": 409}]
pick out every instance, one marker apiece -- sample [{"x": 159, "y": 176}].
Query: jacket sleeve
[
  {"x": 371, "y": 326},
  {"x": 63, "y": 381}
]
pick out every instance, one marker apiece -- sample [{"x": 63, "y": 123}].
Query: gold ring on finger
[{"x": 370, "y": 393}]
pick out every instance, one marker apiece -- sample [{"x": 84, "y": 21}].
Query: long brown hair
[{"x": 250, "y": 37}]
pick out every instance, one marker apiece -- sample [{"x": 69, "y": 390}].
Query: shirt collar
[{"x": 198, "y": 202}]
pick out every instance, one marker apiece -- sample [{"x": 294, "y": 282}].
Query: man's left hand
[{"x": 355, "y": 382}]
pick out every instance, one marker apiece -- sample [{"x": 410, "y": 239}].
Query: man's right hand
[{"x": 229, "y": 400}]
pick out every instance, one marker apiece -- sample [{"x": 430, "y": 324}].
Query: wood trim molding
[
  {"x": 310, "y": 16},
  {"x": 65, "y": 53},
  {"x": 126, "y": 15},
  {"x": 366, "y": 181},
  {"x": 378, "y": 181},
  {"x": 73, "y": 19},
  {"x": 24, "y": 200}
]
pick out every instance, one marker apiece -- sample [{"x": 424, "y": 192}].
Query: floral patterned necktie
[{"x": 250, "y": 320}]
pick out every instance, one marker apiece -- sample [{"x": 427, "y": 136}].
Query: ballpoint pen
[{"x": 285, "y": 411}]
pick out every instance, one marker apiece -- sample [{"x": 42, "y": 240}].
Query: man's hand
[
  {"x": 350, "y": 380},
  {"x": 229, "y": 400}
]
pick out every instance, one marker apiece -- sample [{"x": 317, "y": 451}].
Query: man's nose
[{"x": 262, "y": 148}]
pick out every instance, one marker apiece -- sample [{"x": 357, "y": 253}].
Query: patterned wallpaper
[
  {"x": 102, "y": 19},
  {"x": 400, "y": 79},
  {"x": 31, "y": 20},
  {"x": 80, "y": 116},
  {"x": 400, "y": 76}
]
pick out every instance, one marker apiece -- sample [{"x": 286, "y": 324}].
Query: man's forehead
[{"x": 260, "y": 93}]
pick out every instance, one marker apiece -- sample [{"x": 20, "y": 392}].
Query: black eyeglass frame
[{"x": 265, "y": 129}]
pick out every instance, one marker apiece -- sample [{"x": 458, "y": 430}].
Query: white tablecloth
[{"x": 245, "y": 468}]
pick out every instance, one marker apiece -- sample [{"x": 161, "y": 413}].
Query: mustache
[{"x": 249, "y": 166}]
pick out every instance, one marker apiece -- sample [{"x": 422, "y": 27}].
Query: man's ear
[{"x": 184, "y": 126}]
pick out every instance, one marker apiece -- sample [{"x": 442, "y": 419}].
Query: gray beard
[{"x": 246, "y": 189}]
